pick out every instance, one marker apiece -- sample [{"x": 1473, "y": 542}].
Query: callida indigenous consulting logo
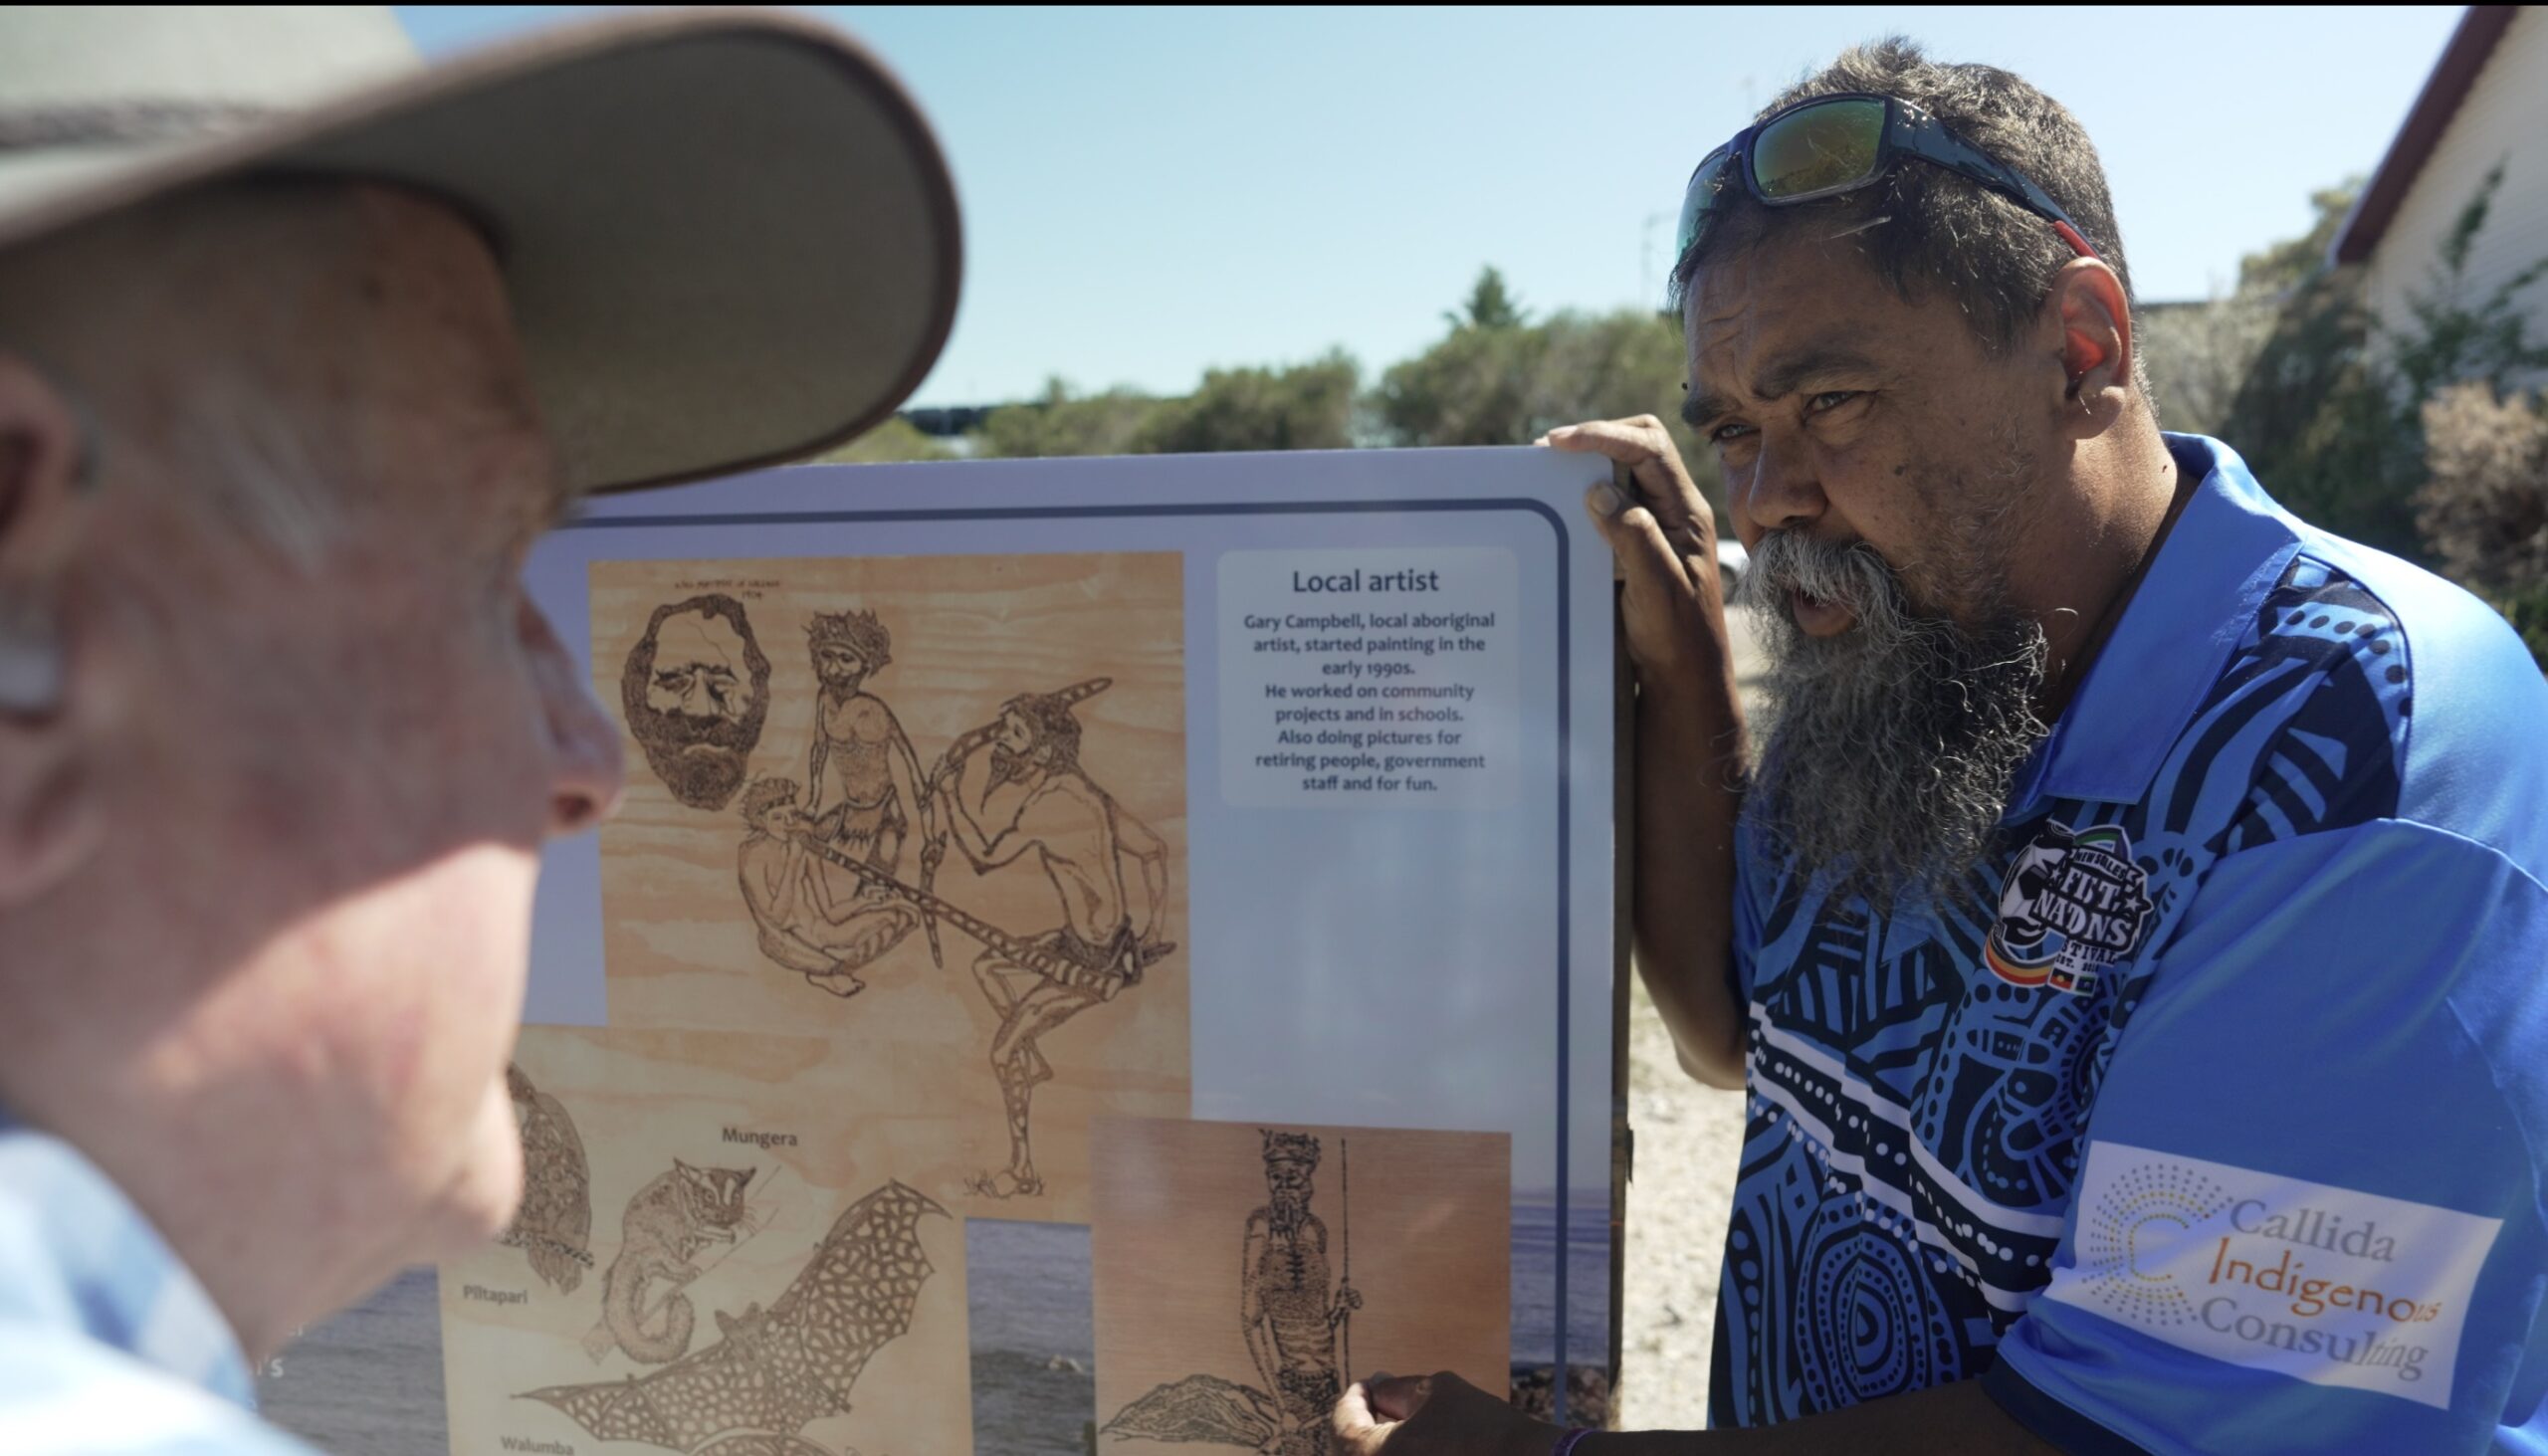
[
  {"x": 2073, "y": 903},
  {"x": 2328, "y": 1285}
]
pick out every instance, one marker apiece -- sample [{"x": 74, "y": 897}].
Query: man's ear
[
  {"x": 50, "y": 812},
  {"x": 2086, "y": 303}
]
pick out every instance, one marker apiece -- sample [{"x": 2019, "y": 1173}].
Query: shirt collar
[
  {"x": 75, "y": 1254},
  {"x": 2202, "y": 593}
]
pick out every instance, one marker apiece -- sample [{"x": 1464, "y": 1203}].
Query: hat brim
[{"x": 729, "y": 237}]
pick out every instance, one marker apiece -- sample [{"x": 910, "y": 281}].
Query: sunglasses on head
[{"x": 1838, "y": 143}]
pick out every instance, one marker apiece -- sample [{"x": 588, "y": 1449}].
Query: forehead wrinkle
[{"x": 1832, "y": 352}]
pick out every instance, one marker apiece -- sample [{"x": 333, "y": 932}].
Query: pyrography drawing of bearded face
[
  {"x": 1016, "y": 752},
  {"x": 696, "y": 689}
]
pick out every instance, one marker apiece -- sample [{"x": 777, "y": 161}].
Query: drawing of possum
[{"x": 666, "y": 1223}]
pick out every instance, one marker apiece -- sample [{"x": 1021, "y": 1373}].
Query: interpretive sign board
[{"x": 1044, "y": 889}]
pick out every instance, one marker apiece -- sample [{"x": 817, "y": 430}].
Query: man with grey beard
[
  {"x": 2143, "y": 1031},
  {"x": 1896, "y": 739}
]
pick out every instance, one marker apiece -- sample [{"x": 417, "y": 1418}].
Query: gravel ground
[{"x": 1689, "y": 1142}]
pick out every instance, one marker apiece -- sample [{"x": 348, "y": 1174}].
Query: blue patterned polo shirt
[{"x": 2212, "y": 1114}]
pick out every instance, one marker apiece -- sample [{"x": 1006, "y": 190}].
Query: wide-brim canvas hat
[{"x": 728, "y": 236}]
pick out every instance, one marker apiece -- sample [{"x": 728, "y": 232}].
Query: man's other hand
[
  {"x": 1663, "y": 533},
  {"x": 1434, "y": 1416}
]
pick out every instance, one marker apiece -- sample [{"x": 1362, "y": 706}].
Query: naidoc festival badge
[{"x": 2073, "y": 903}]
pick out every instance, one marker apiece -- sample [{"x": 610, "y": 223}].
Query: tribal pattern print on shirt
[{"x": 1918, "y": 1089}]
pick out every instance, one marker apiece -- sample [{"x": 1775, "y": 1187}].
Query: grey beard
[{"x": 1893, "y": 746}]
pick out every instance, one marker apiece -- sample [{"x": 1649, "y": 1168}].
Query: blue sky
[{"x": 1149, "y": 193}]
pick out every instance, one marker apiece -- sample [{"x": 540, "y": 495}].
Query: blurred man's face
[
  {"x": 342, "y": 787},
  {"x": 1882, "y": 468}
]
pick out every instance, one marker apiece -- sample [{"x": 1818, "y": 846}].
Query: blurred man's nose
[
  {"x": 586, "y": 769},
  {"x": 1781, "y": 490},
  {"x": 591, "y": 772}
]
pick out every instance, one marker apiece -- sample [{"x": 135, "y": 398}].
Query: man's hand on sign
[
  {"x": 1691, "y": 747},
  {"x": 1664, "y": 535},
  {"x": 1434, "y": 1416}
]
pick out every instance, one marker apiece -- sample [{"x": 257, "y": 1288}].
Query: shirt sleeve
[
  {"x": 2307, "y": 1213},
  {"x": 62, "y": 1394}
]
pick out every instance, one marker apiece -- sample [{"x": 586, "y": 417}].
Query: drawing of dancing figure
[
  {"x": 800, "y": 923},
  {"x": 874, "y": 785},
  {"x": 1295, "y": 1326},
  {"x": 1032, "y": 785}
]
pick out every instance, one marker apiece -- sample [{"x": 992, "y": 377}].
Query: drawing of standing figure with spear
[
  {"x": 1296, "y": 1330},
  {"x": 1299, "y": 1330}
]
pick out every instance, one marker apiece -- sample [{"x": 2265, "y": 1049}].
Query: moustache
[
  {"x": 673, "y": 732},
  {"x": 1851, "y": 575},
  {"x": 1007, "y": 765}
]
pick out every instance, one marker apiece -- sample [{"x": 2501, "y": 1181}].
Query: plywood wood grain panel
[{"x": 1187, "y": 1243}]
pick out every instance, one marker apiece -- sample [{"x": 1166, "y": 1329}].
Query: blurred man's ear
[{"x": 49, "y": 810}]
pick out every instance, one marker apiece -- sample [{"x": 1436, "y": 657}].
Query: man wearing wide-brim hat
[{"x": 300, "y": 348}]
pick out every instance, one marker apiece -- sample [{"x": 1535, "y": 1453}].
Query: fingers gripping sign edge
[
  {"x": 1645, "y": 454},
  {"x": 1357, "y": 1426}
]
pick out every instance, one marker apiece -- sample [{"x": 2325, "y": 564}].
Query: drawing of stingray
[{"x": 772, "y": 1373}]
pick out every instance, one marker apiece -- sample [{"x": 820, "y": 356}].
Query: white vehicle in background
[{"x": 1733, "y": 563}]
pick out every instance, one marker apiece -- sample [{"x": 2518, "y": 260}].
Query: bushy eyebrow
[{"x": 1826, "y": 355}]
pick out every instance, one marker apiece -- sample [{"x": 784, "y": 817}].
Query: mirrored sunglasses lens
[
  {"x": 1818, "y": 149},
  {"x": 1704, "y": 186}
]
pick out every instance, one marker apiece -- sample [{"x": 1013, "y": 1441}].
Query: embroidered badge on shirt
[
  {"x": 2073, "y": 903},
  {"x": 2329, "y": 1285}
]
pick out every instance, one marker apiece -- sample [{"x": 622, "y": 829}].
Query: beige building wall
[{"x": 2504, "y": 117}]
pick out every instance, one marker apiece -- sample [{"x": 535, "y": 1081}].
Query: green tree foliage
[
  {"x": 2483, "y": 506},
  {"x": 1301, "y": 407},
  {"x": 1510, "y": 384},
  {"x": 2451, "y": 341},
  {"x": 1496, "y": 378},
  {"x": 1490, "y": 305},
  {"x": 2201, "y": 356},
  {"x": 2313, "y": 417},
  {"x": 889, "y": 442},
  {"x": 2331, "y": 417},
  {"x": 1305, "y": 407},
  {"x": 1064, "y": 423}
]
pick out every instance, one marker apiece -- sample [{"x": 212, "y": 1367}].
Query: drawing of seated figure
[
  {"x": 1082, "y": 840},
  {"x": 861, "y": 761},
  {"x": 800, "y": 925},
  {"x": 1291, "y": 1320}
]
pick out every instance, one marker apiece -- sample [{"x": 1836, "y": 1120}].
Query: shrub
[{"x": 2483, "y": 506}]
